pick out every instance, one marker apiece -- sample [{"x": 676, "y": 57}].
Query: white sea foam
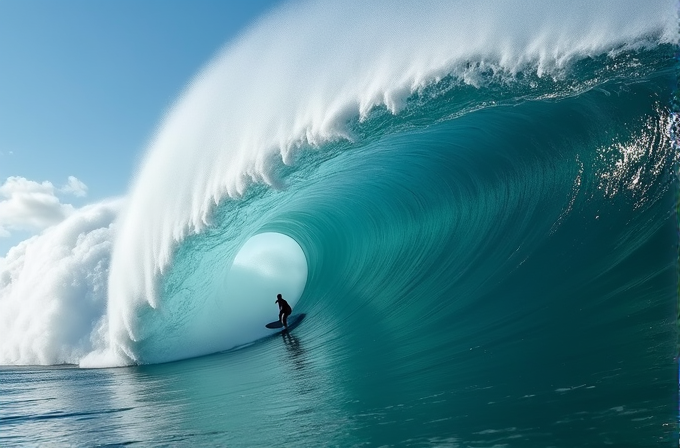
[{"x": 53, "y": 290}]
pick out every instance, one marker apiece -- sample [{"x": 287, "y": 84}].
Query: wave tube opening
[
  {"x": 268, "y": 264},
  {"x": 211, "y": 303}
]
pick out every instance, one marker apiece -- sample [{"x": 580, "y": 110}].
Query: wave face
[{"x": 423, "y": 155}]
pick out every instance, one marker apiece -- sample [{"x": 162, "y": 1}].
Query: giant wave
[{"x": 403, "y": 163}]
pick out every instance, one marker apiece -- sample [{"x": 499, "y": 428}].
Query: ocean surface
[{"x": 478, "y": 217}]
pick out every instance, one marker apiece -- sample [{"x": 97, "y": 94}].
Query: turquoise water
[{"x": 492, "y": 271}]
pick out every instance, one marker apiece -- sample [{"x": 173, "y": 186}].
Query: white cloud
[
  {"x": 75, "y": 187},
  {"x": 33, "y": 206}
]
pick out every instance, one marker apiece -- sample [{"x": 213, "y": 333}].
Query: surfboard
[{"x": 293, "y": 321}]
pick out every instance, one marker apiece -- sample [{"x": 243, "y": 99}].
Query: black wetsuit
[{"x": 284, "y": 311}]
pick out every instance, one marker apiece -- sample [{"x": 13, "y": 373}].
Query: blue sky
[{"x": 83, "y": 85}]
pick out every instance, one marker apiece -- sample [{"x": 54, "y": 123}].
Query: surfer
[{"x": 284, "y": 310}]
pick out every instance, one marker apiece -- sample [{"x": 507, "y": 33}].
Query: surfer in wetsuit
[{"x": 284, "y": 310}]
